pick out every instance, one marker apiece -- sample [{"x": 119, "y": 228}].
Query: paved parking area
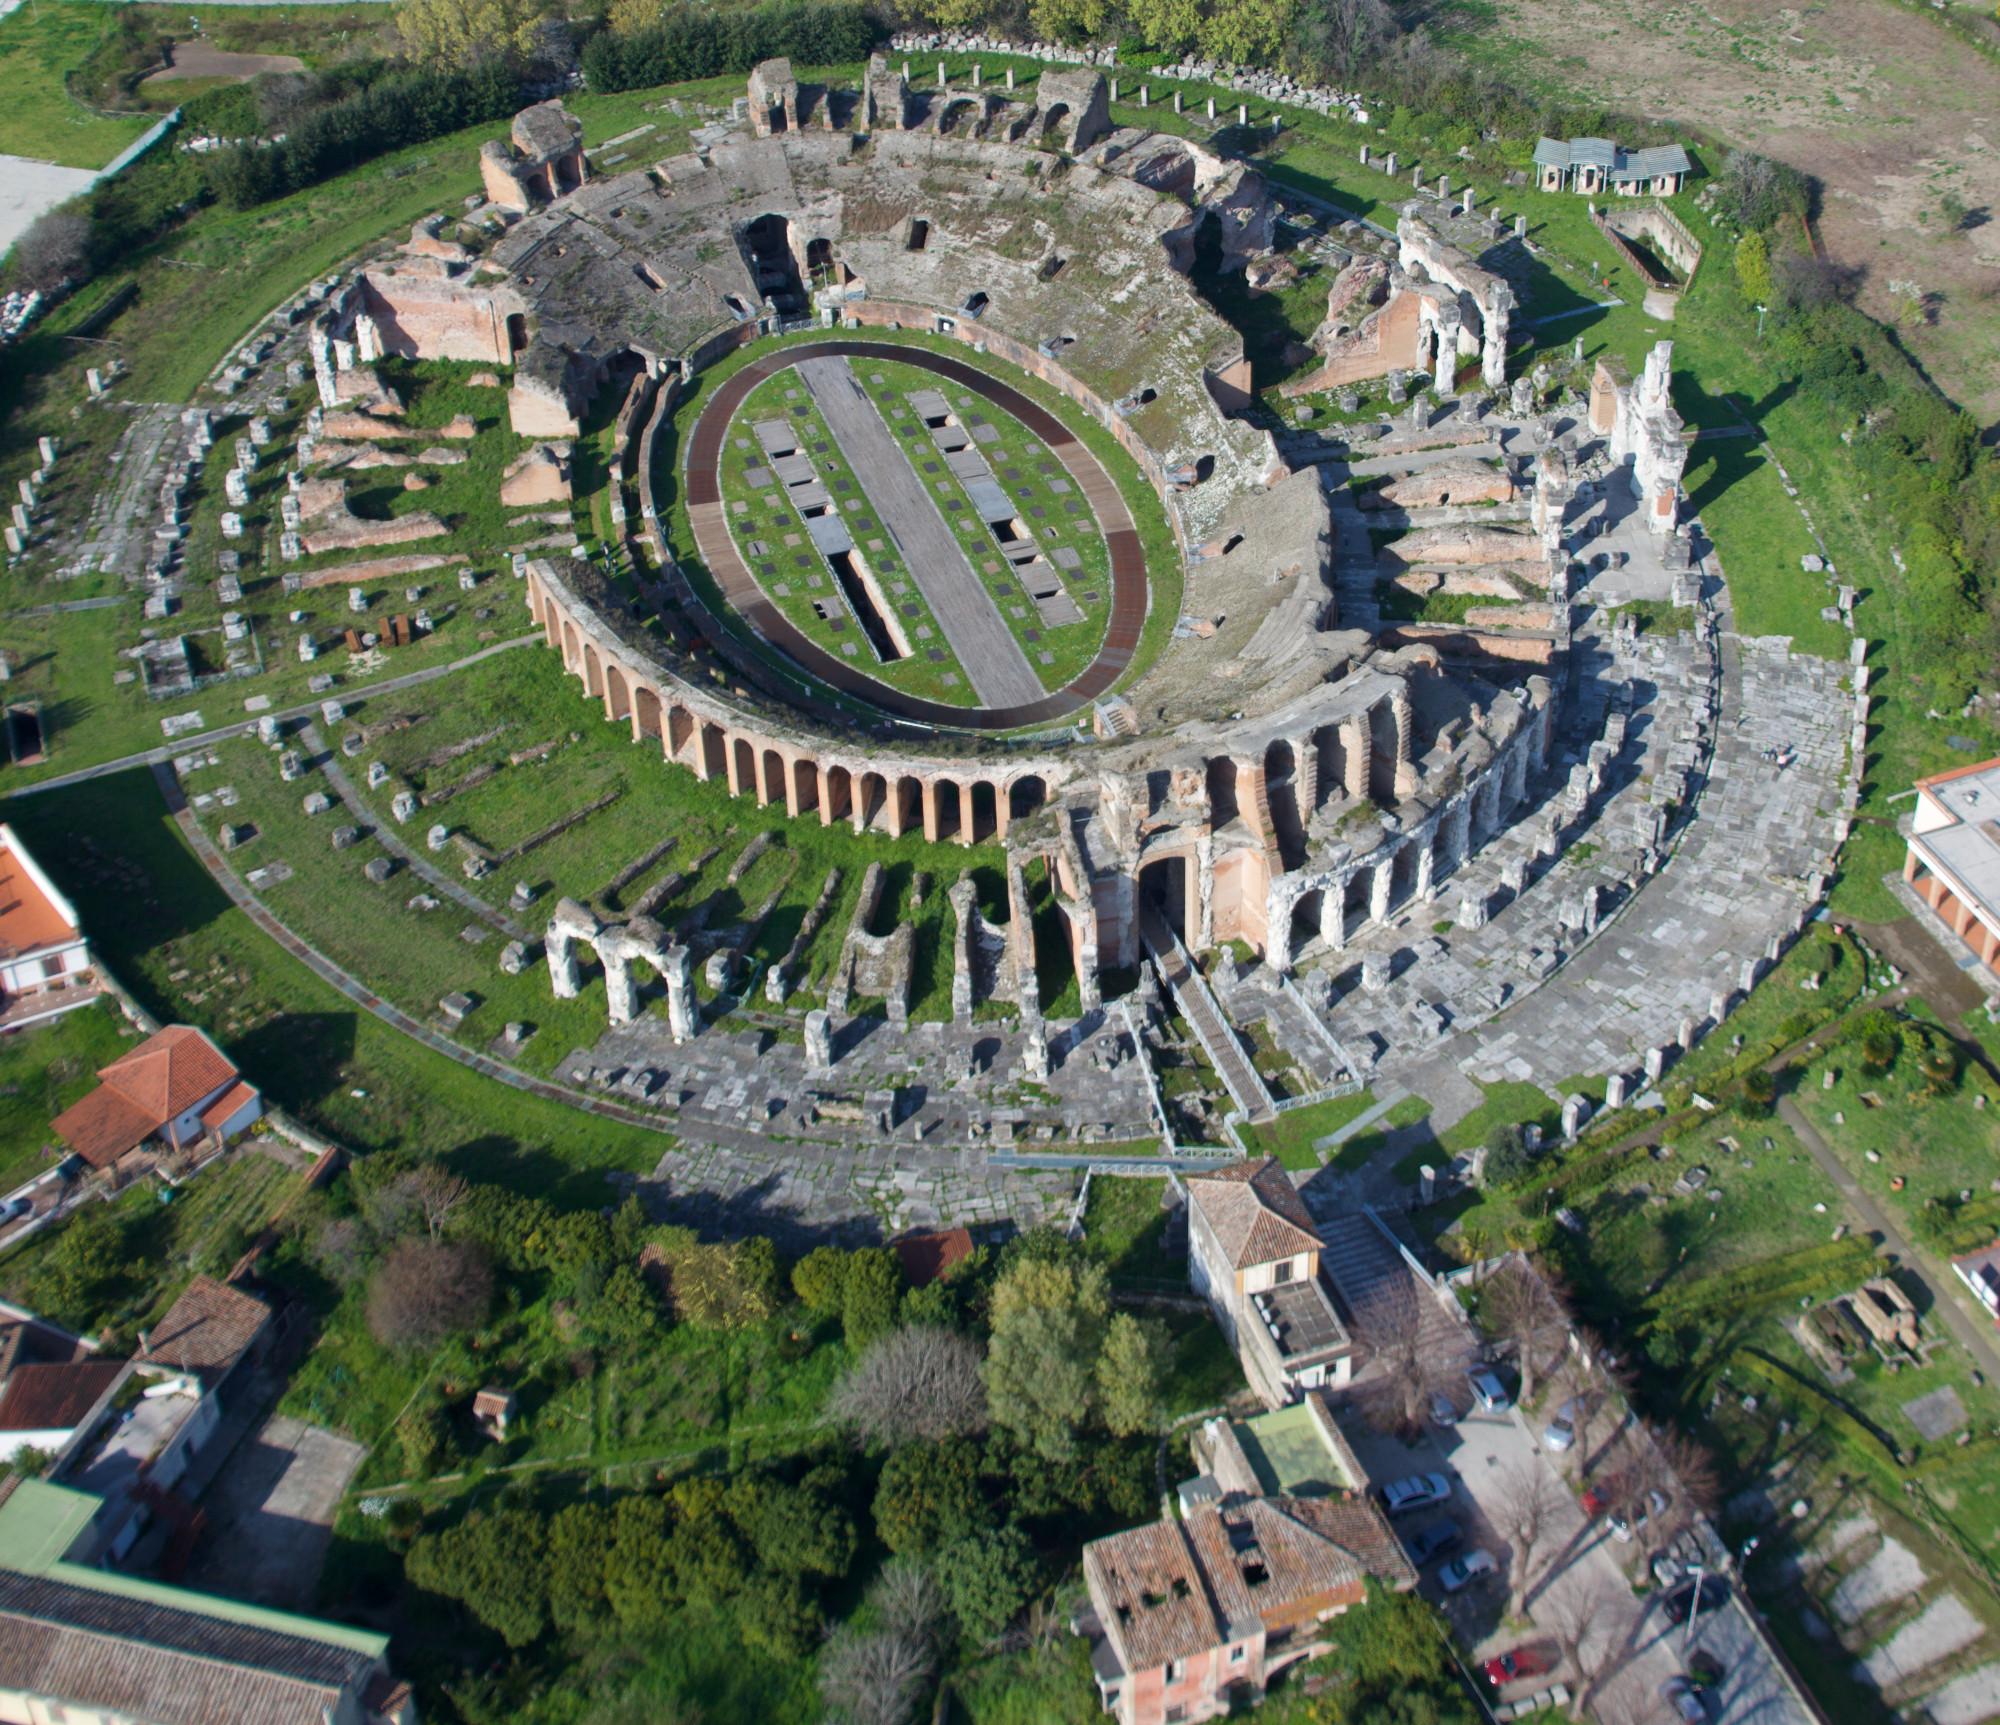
[
  {"x": 270, "y": 1514},
  {"x": 1576, "y": 1557}
]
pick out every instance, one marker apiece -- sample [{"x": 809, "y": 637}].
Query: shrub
[{"x": 426, "y": 1290}]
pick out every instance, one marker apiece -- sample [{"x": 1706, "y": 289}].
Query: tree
[
  {"x": 913, "y": 1383},
  {"x": 930, "y": 1493},
  {"x": 438, "y": 1192},
  {"x": 82, "y": 1269},
  {"x": 1588, "y": 1625},
  {"x": 1521, "y": 1307},
  {"x": 639, "y": 1580},
  {"x": 1522, "y": 1512},
  {"x": 1507, "y": 1158},
  {"x": 425, "y": 1290},
  {"x": 493, "y": 1564},
  {"x": 54, "y": 250},
  {"x": 1331, "y": 40},
  {"x": 869, "y": 1295},
  {"x": 575, "y": 1545},
  {"x": 1389, "y": 1320},
  {"x": 988, "y": 1577},
  {"x": 1760, "y": 1091},
  {"x": 1879, "y": 1039},
  {"x": 1049, "y": 1322},
  {"x": 1939, "y": 1065},
  {"x": 1130, "y": 1372},
  {"x": 453, "y": 34},
  {"x": 1753, "y": 268},
  {"x": 874, "y": 1679},
  {"x": 820, "y": 1280},
  {"x": 725, "y": 1286}
]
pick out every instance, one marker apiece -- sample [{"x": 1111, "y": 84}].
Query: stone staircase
[{"x": 1198, "y": 1006}]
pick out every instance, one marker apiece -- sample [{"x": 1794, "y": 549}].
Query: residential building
[
  {"x": 1253, "y": 1253},
  {"x": 176, "y": 1088},
  {"x": 209, "y": 1332},
  {"x": 79, "y": 1642},
  {"x": 1953, "y": 861},
  {"x": 45, "y": 964},
  {"x": 1192, "y": 1619},
  {"x": 1980, "y": 1271},
  {"x": 1597, "y": 165},
  {"x": 43, "y": 1402}
]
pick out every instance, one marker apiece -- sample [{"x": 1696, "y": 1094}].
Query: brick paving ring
[{"x": 709, "y": 520}]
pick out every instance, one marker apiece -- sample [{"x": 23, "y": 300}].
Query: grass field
[
  {"x": 43, "y": 1070},
  {"x": 40, "y": 119}
]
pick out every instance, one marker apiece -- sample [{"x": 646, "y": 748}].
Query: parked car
[
  {"x": 1627, "y": 1525},
  {"x": 1517, "y": 1663},
  {"x": 1419, "y": 1491},
  {"x": 1561, "y": 1432},
  {"x": 1714, "y": 1595},
  {"x": 1685, "y": 1699},
  {"x": 1434, "y": 1541},
  {"x": 1488, "y": 1391},
  {"x": 1462, "y": 1572},
  {"x": 1444, "y": 1411},
  {"x": 1596, "y": 1499}
]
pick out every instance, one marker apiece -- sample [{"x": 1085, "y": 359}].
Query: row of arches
[{"x": 948, "y": 806}]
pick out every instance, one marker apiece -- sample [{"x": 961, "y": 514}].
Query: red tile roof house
[
  {"x": 1253, "y": 1253},
  {"x": 45, "y": 964},
  {"x": 43, "y": 1402},
  {"x": 1190, "y": 1620},
  {"x": 177, "y": 1087}
]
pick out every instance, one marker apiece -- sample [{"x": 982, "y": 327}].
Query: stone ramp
[{"x": 1194, "y": 1002}]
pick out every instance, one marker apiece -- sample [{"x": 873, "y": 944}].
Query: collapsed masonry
[
  {"x": 1645, "y": 432},
  {"x": 1435, "y": 307}
]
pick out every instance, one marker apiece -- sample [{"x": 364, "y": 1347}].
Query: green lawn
[
  {"x": 771, "y": 537},
  {"x": 1291, "y": 1136},
  {"x": 45, "y": 1069},
  {"x": 40, "y": 119}
]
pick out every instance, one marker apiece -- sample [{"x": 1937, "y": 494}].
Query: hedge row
[
  {"x": 695, "y": 42},
  {"x": 1814, "y": 1270}
]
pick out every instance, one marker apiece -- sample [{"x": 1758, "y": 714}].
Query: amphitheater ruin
[{"x": 1341, "y": 790}]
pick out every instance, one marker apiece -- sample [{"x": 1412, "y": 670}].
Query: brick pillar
[{"x": 927, "y": 789}]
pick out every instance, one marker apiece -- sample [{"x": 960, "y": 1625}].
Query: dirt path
[
  {"x": 1891, "y": 113},
  {"x": 199, "y": 60}
]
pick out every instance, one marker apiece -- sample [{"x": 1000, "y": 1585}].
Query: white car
[
  {"x": 1444, "y": 1411},
  {"x": 1419, "y": 1491},
  {"x": 1561, "y": 1432},
  {"x": 1624, "y": 1528},
  {"x": 1488, "y": 1391},
  {"x": 1462, "y": 1572}
]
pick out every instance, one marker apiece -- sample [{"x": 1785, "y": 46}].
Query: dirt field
[
  {"x": 1892, "y": 115},
  {"x": 199, "y": 60}
]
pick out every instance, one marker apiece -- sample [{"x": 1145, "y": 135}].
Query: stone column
[
  {"x": 564, "y": 982},
  {"x": 621, "y": 997},
  {"x": 730, "y": 767},
  {"x": 1305, "y": 776},
  {"x": 927, "y": 789},
  {"x": 683, "y": 1009},
  {"x": 1278, "y": 931},
  {"x": 1426, "y": 842},
  {"x": 1333, "y": 913},
  {"x": 1459, "y": 818},
  {"x": 1614, "y": 1092},
  {"x": 1404, "y": 714},
  {"x": 1374, "y": 972},
  {"x": 1354, "y": 755},
  {"x": 790, "y": 768},
  {"x": 1204, "y": 852},
  {"x": 1379, "y": 887},
  {"x": 819, "y": 1043}
]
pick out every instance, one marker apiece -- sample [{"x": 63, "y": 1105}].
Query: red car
[
  {"x": 1521, "y": 1662},
  {"x": 1597, "y": 1499}
]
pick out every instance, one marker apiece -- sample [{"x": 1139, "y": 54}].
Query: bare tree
[
  {"x": 1523, "y": 1514},
  {"x": 908, "y": 1600},
  {"x": 340, "y": 1249},
  {"x": 1389, "y": 1321},
  {"x": 438, "y": 1193},
  {"x": 920, "y": 1382},
  {"x": 425, "y": 1290},
  {"x": 866, "y": 1679},
  {"x": 54, "y": 250},
  {"x": 1523, "y": 1308},
  {"x": 1589, "y": 1627}
]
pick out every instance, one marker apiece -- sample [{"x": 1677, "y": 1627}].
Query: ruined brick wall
[
  {"x": 1387, "y": 340},
  {"x": 421, "y": 319}
]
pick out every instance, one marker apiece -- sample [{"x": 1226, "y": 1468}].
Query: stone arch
[
  {"x": 819, "y": 257},
  {"x": 1056, "y": 119},
  {"x": 1167, "y": 887},
  {"x": 572, "y": 649},
  {"x": 1281, "y": 795},
  {"x": 947, "y": 802},
  {"x": 906, "y": 805},
  {"x": 953, "y": 112},
  {"x": 804, "y": 785},
  {"x": 1354, "y": 896},
  {"x": 770, "y": 776},
  {"x": 1025, "y": 794},
  {"x": 981, "y": 811},
  {"x": 1403, "y": 868},
  {"x": 871, "y": 800},
  {"x": 742, "y": 768},
  {"x": 1307, "y": 910},
  {"x": 617, "y": 692},
  {"x": 517, "y": 332},
  {"x": 711, "y": 750},
  {"x": 837, "y": 795},
  {"x": 1222, "y": 807},
  {"x": 1382, "y": 755},
  {"x": 646, "y": 714}
]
